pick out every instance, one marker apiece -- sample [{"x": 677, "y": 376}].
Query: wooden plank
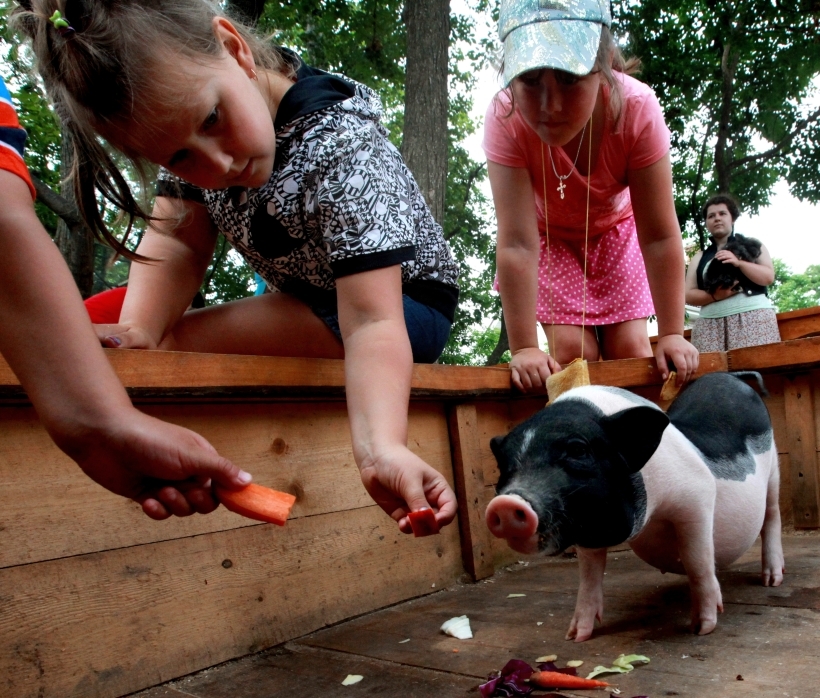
[
  {"x": 625, "y": 373},
  {"x": 774, "y": 648},
  {"x": 50, "y": 509},
  {"x": 786, "y": 510},
  {"x": 494, "y": 419},
  {"x": 469, "y": 478},
  {"x": 776, "y": 404},
  {"x": 298, "y": 671},
  {"x": 800, "y": 427},
  {"x": 799, "y": 323},
  {"x": 111, "y": 623},
  {"x": 153, "y": 374},
  {"x": 149, "y": 374},
  {"x": 798, "y": 354}
]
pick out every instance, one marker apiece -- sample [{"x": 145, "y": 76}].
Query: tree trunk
[
  {"x": 502, "y": 346},
  {"x": 424, "y": 146},
  {"x": 74, "y": 239},
  {"x": 723, "y": 170}
]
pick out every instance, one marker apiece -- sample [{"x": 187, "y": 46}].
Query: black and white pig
[{"x": 689, "y": 489}]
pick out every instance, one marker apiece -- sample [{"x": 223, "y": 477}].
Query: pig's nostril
[
  {"x": 495, "y": 520},
  {"x": 520, "y": 514}
]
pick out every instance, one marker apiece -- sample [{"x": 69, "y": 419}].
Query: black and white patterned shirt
[{"x": 340, "y": 201}]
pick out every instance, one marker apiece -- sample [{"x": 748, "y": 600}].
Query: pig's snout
[{"x": 512, "y": 518}]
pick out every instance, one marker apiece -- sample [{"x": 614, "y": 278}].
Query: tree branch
[
  {"x": 760, "y": 158},
  {"x": 693, "y": 207},
  {"x": 56, "y": 203},
  {"x": 502, "y": 346},
  {"x": 468, "y": 190}
]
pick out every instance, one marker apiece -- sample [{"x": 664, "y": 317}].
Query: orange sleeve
[{"x": 12, "y": 140}]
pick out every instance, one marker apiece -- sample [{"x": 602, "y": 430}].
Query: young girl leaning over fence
[
  {"x": 579, "y": 165},
  {"x": 292, "y": 166}
]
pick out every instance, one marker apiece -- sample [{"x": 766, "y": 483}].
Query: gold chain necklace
[
  {"x": 586, "y": 231},
  {"x": 562, "y": 178}
]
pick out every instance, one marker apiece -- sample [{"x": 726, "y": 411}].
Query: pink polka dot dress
[{"x": 617, "y": 289}]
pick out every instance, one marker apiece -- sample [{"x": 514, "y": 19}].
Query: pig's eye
[{"x": 576, "y": 449}]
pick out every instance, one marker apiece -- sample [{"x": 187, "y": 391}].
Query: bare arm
[
  {"x": 159, "y": 292},
  {"x": 517, "y": 263},
  {"x": 659, "y": 236},
  {"x": 694, "y": 295},
  {"x": 47, "y": 339},
  {"x": 378, "y": 371}
]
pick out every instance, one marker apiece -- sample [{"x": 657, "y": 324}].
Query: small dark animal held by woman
[{"x": 724, "y": 275}]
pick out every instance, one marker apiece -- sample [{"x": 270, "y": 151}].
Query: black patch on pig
[
  {"x": 579, "y": 470},
  {"x": 726, "y": 421}
]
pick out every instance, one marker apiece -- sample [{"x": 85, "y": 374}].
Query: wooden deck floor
[{"x": 769, "y": 637}]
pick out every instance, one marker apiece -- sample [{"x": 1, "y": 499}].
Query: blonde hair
[
  {"x": 610, "y": 60},
  {"x": 99, "y": 71}
]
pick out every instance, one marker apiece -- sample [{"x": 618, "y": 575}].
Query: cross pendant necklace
[{"x": 561, "y": 178}]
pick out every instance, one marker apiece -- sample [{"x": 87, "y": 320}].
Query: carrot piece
[
  {"x": 423, "y": 522},
  {"x": 257, "y": 502},
  {"x": 554, "y": 679}
]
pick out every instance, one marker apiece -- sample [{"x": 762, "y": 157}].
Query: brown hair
[
  {"x": 728, "y": 200},
  {"x": 99, "y": 72},
  {"x": 610, "y": 59}
]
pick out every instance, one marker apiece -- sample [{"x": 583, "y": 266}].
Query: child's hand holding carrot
[
  {"x": 164, "y": 467},
  {"x": 401, "y": 482}
]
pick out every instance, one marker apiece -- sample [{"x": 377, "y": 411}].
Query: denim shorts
[{"x": 427, "y": 329}]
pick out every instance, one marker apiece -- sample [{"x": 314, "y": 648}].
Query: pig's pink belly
[
  {"x": 657, "y": 545},
  {"x": 739, "y": 512}
]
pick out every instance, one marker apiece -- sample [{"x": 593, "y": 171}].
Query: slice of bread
[{"x": 573, "y": 376}]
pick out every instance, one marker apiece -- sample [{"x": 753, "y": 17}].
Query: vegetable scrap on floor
[{"x": 518, "y": 678}]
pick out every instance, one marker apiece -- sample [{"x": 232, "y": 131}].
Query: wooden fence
[{"x": 96, "y": 600}]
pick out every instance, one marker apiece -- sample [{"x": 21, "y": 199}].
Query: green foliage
[
  {"x": 774, "y": 52},
  {"x": 477, "y": 347},
  {"x": 794, "y": 291},
  {"x": 228, "y": 277},
  {"x": 44, "y": 141},
  {"x": 363, "y": 40},
  {"x": 467, "y": 209}
]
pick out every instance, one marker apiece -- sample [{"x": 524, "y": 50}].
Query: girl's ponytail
[{"x": 99, "y": 60}]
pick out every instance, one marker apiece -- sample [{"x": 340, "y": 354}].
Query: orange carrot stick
[
  {"x": 257, "y": 502},
  {"x": 554, "y": 679}
]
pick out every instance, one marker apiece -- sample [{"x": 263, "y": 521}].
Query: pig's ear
[
  {"x": 636, "y": 434},
  {"x": 495, "y": 446}
]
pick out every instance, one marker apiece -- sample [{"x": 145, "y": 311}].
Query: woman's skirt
[{"x": 749, "y": 329}]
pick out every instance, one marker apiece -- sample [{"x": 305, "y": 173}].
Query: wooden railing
[
  {"x": 794, "y": 324},
  {"x": 96, "y": 599}
]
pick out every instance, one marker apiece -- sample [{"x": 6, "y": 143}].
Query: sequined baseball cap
[{"x": 560, "y": 34}]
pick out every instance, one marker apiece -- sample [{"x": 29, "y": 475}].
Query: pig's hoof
[
  {"x": 580, "y": 629},
  {"x": 704, "y": 627},
  {"x": 772, "y": 574}
]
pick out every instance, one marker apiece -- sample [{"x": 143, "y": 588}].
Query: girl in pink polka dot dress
[{"x": 578, "y": 158}]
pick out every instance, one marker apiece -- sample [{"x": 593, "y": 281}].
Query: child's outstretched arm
[
  {"x": 517, "y": 262},
  {"x": 182, "y": 242},
  {"x": 47, "y": 339},
  {"x": 659, "y": 235},
  {"x": 378, "y": 370}
]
